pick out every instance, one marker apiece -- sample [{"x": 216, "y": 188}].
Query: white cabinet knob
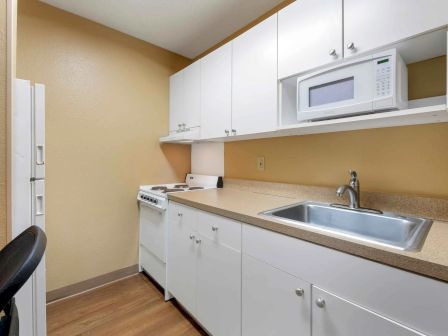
[
  {"x": 351, "y": 46},
  {"x": 214, "y": 228},
  {"x": 300, "y": 292},
  {"x": 192, "y": 237},
  {"x": 198, "y": 241},
  {"x": 234, "y": 131},
  {"x": 227, "y": 132},
  {"x": 332, "y": 52},
  {"x": 320, "y": 302},
  {"x": 179, "y": 214}
]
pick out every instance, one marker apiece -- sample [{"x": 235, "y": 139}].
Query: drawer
[
  {"x": 153, "y": 266},
  {"x": 219, "y": 229},
  {"x": 182, "y": 215},
  {"x": 399, "y": 295}
]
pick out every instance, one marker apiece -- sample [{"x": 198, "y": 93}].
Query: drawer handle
[
  {"x": 192, "y": 237},
  {"x": 320, "y": 303},
  {"x": 198, "y": 241},
  {"x": 214, "y": 228},
  {"x": 179, "y": 214},
  {"x": 300, "y": 292}
]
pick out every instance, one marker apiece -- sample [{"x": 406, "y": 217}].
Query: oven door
[
  {"x": 152, "y": 230},
  {"x": 336, "y": 92}
]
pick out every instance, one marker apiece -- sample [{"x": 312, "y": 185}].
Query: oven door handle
[{"x": 150, "y": 205}]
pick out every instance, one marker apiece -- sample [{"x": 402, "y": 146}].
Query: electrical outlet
[{"x": 260, "y": 163}]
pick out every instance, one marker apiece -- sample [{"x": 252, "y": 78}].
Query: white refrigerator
[{"x": 28, "y": 194}]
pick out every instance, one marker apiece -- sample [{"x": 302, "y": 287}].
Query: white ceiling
[{"x": 186, "y": 27}]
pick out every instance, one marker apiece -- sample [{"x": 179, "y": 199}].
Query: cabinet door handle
[
  {"x": 234, "y": 131},
  {"x": 192, "y": 237},
  {"x": 198, "y": 241},
  {"x": 227, "y": 132},
  {"x": 214, "y": 228},
  {"x": 350, "y": 46},
  {"x": 300, "y": 292},
  {"x": 40, "y": 155},
  {"x": 320, "y": 303},
  {"x": 332, "y": 52},
  {"x": 179, "y": 214}
]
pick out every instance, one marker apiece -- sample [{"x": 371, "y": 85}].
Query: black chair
[{"x": 18, "y": 260}]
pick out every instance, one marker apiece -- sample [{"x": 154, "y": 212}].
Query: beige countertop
[{"x": 244, "y": 206}]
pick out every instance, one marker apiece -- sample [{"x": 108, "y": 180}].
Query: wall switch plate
[{"x": 260, "y": 163}]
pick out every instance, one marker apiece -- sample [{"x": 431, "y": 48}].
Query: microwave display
[{"x": 332, "y": 92}]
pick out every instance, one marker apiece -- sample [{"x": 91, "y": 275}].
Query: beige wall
[
  {"x": 410, "y": 160},
  {"x": 107, "y": 105},
  {"x": 3, "y": 80}
]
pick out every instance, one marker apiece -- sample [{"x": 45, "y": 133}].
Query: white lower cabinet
[
  {"x": 181, "y": 263},
  {"x": 274, "y": 302},
  {"x": 204, "y": 274},
  {"x": 218, "y": 293},
  {"x": 238, "y": 279},
  {"x": 334, "y": 316}
]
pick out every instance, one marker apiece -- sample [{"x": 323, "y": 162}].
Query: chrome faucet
[{"x": 352, "y": 190}]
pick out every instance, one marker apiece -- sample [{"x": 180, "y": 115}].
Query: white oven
[
  {"x": 373, "y": 83},
  {"x": 153, "y": 218}
]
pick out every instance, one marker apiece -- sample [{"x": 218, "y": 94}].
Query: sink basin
[{"x": 387, "y": 229}]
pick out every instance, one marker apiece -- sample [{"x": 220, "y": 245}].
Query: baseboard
[{"x": 85, "y": 285}]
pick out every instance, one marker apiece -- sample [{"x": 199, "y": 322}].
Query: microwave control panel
[{"x": 383, "y": 68}]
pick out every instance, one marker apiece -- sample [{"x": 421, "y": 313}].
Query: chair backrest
[{"x": 18, "y": 260}]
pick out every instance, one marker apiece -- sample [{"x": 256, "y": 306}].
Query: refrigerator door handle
[
  {"x": 40, "y": 205},
  {"x": 40, "y": 155}
]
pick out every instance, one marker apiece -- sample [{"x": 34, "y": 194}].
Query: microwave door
[{"x": 336, "y": 93}]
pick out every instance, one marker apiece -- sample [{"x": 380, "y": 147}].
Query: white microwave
[{"x": 370, "y": 84}]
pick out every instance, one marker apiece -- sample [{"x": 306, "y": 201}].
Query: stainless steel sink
[{"x": 387, "y": 229}]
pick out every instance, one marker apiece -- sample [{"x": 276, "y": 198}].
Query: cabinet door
[
  {"x": 370, "y": 24},
  {"x": 219, "y": 288},
  {"x": 334, "y": 316},
  {"x": 192, "y": 95},
  {"x": 181, "y": 263},
  {"x": 176, "y": 100},
  {"x": 254, "y": 79},
  {"x": 309, "y": 35},
  {"x": 271, "y": 305},
  {"x": 216, "y": 93}
]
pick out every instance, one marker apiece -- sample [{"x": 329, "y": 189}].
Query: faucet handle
[{"x": 353, "y": 175}]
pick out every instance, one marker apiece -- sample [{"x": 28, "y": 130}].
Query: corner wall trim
[{"x": 85, "y": 285}]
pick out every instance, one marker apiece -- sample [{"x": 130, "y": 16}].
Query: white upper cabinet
[
  {"x": 254, "y": 79},
  {"x": 370, "y": 24},
  {"x": 216, "y": 93},
  {"x": 185, "y": 98},
  {"x": 309, "y": 35},
  {"x": 192, "y": 89},
  {"x": 176, "y": 99}
]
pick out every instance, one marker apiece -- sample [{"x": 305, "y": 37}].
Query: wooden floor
[{"x": 133, "y": 306}]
